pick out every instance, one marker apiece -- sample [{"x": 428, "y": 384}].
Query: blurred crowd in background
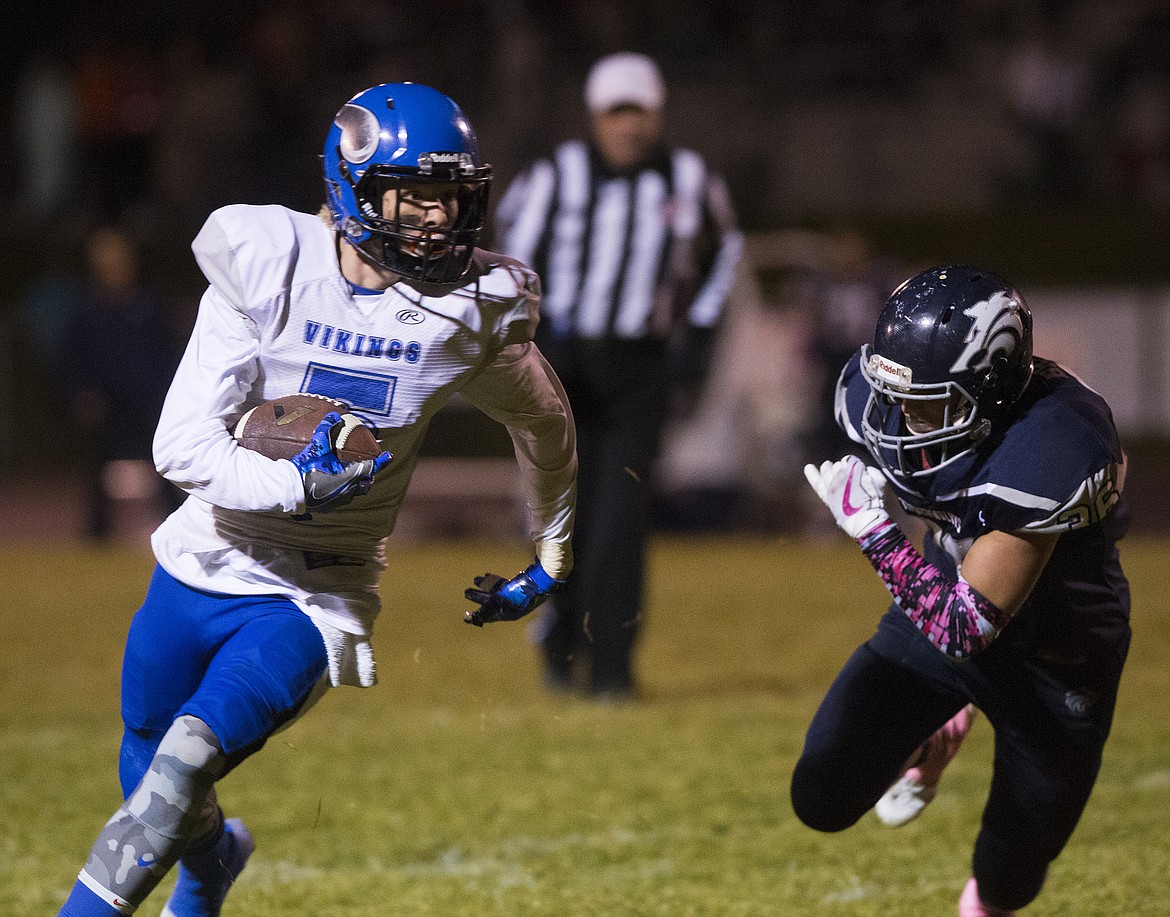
[
  {"x": 145, "y": 117},
  {"x": 157, "y": 113}
]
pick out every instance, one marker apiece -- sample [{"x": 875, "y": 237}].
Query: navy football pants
[
  {"x": 245, "y": 665},
  {"x": 897, "y": 689}
]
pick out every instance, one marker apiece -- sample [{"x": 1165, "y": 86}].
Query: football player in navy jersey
[
  {"x": 1017, "y": 605},
  {"x": 266, "y": 587}
]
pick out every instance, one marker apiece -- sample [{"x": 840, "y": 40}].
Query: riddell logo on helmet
[
  {"x": 461, "y": 161},
  {"x": 889, "y": 371}
]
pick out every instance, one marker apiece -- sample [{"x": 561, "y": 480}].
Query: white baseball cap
[{"x": 624, "y": 79}]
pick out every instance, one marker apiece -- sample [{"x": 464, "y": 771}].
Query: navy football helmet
[
  {"x": 953, "y": 343},
  {"x": 405, "y": 133}
]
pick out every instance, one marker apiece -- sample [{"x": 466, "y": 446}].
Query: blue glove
[
  {"x": 506, "y": 600},
  {"x": 329, "y": 482}
]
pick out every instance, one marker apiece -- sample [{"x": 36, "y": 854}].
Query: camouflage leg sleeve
[{"x": 173, "y": 804}]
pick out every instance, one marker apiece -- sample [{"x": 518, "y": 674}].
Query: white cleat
[
  {"x": 904, "y": 801},
  {"x": 916, "y": 788}
]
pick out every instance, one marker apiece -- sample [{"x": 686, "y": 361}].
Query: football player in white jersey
[{"x": 265, "y": 590}]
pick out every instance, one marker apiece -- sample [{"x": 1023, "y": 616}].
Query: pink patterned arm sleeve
[{"x": 952, "y": 614}]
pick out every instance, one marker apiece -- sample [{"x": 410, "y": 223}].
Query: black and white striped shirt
[{"x": 626, "y": 257}]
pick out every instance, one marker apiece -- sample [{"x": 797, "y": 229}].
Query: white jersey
[{"x": 279, "y": 318}]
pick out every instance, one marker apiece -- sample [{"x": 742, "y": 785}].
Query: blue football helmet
[
  {"x": 957, "y": 337},
  {"x": 400, "y": 133}
]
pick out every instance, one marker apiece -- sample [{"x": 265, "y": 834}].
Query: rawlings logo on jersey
[{"x": 996, "y": 328}]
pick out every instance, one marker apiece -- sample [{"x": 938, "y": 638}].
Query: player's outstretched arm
[
  {"x": 955, "y": 615},
  {"x": 499, "y": 599},
  {"x": 329, "y": 482}
]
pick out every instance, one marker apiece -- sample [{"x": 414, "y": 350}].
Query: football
[{"x": 282, "y": 427}]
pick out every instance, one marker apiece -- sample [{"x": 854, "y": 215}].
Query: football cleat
[
  {"x": 200, "y": 891},
  {"x": 916, "y": 788}
]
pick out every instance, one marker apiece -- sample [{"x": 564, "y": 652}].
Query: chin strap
[{"x": 432, "y": 288}]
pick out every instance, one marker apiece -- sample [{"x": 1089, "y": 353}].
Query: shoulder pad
[
  {"x": 1060, "y": 465},
  {"x": 249, "y": 252},
  {"x": 513, "y": 290}
]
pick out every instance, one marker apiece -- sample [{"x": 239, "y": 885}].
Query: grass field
[{"x": 456, "y": 787}]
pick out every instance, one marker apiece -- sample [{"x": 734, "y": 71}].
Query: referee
[{"x": 636, "y": 247}]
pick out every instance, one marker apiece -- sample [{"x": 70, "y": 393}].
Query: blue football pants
[{"x": 244, "y": 664}]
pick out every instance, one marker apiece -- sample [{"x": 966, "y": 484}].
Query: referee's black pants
[{"x": 618, "y": 391}]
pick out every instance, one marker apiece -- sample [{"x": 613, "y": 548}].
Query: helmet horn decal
[
  {"x": 359, "y": 133},
  {"x": 996, "y": 330}
]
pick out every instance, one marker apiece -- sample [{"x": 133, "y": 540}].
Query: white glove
[{"x": 853, "y": 491}]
